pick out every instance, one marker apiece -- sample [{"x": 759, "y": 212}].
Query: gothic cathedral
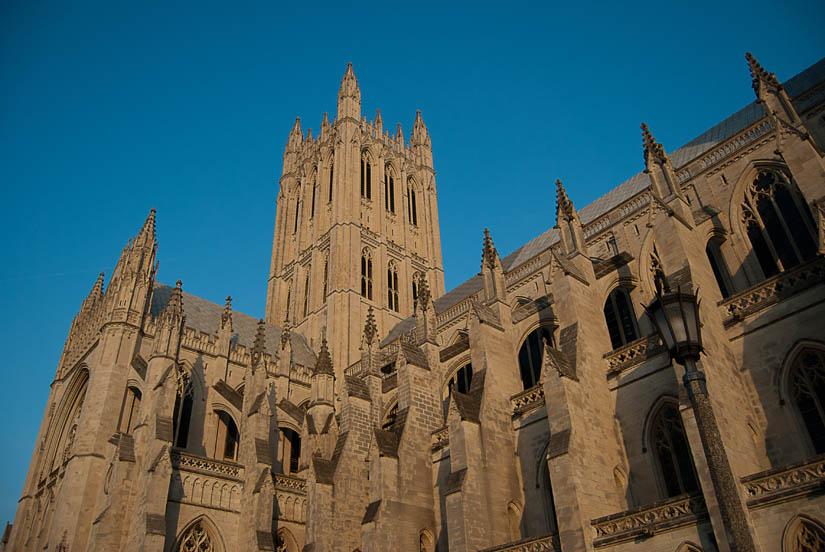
[{"x": 538, "y": 406}]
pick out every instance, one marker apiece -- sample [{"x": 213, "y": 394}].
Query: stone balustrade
[
  {"x": 649, "y": 520},
  {"x": 356, "y": 369},
  {"x": 208, "y": 466},
  {"x": 786, "y": 482},
  {"x": 635, "y": 352},
  {"x": 772, "y": 290},
  {"x": 290, "y": 483},
  {"x": 205, "y": 482},
  {"x": 546, "y": 543},
  {"x": 527, "y": 400}
]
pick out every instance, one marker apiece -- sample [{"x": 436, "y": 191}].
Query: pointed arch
[
  {"x": 688, "y": 546},
  {"x": 545, "y": 484},
  {"x": 201, "y": 535},
  {"x": 366, "y": 174},
  {"x": 620, "y": 317},
  {"x": 390, "y": 414},
  {"x": 803, "y": 533},
  {"x": 531, "y": 354},
  {"x": 804, "y": 386},
  {"x": 184, "y": 402},
  {"x": 514, "y": 520},
  {"x": 227, "y": 436},
  {"x": 426, "y": 541},
  {"x": 412, "y": 203},
  {"x": 285, "y": 542},
  {"x": 366, "y": 273},
  {"x": 459, "y": 378},
  {"x": 64, "y": 422},
  {"x": 392, "y": 286},
  {"x": 389, "y": 188},
  {"x": 669, "y": 445}
]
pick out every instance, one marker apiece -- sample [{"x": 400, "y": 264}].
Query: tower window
[
  {"x": 389, "y": 190},
  {"x": 412, "y": 208},
  {"x": 530, "y": 356},
  {"x": 297, "y": 212},
  {"x": 620, "y": 318},
  {"x": 778, "y": 222},
  {"x": 392, "y": 286},
  {"x": 326, "y": 276},
  {"x": 672, "y": 451},
  {"x": 366, "y": 178},
  {"x": 312, "y": 208},
  {"x": 366, "y": 274},
  {"x": 331, "y": 173},
  {"x": 182, "y": 413},
  {"x": 306, "y": 292}
]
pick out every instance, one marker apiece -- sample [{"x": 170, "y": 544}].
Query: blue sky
[{"x": 108, "y": 109}]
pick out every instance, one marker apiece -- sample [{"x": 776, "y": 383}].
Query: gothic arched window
[
  {"x": 389, "y": 190},
  {"x": 672, "y": 451},
  {"x": 366, "y": 274},
  {"x": 412, "y": 208},
  {"x": 226, "y": 440},
  {"x": 366, "y": 177},
  {"x": 778, "y": 222},
  {"x": 129, "y": 410},
  {"x": 392, "y": 286},
  {"x": 717, "y": 264},
  {"x": 183, "y": 406},
  {"x": 289, "y": 450},
  {"x": 804, "y": 534},
  {"x": 196, "y": 539},
  {"x": 806, "y": 384},
  {"x": 312, "y": 208},
  {"x": 390, "y": 417},
  {"x": 326, "y": 280},
  {"x": 331, "y": 173},
  {"x": 620, "y": 318},
  {"x": 288, "y": 299},
  {"x": 460, "y": 381},
  {"x": 306, "y": 291},
  {"x": 531, "y": 354}
]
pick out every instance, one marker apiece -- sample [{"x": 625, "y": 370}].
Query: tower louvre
[{"x": 356, "y": 225}]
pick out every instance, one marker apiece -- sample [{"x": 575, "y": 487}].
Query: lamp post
[{"x": 676, "y": 317}]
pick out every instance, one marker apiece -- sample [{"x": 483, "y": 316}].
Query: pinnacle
[
  {"x": 563, "y": 203},
  {"x": 349, "y": 73},
  {"x": 424, "y": 294},
  {"x": 758, "y": 73},
  {"x": 296, "y": 128},
  {"x": 378, "y": 120},
  {"x": 97, "y": 289},
  {"x": 174, "y": 307},
  {"x": 147, "y": 233},
  {"x": 399, "y": 134},
  {"x": 325, "y": 122},
  {"x": 651, "y": 146},
  {"x": 226, "y": 317},
  {"x": 370, "y": 327},
  {"x": 259, "y": 345},
  {"x": 324, "y": 363},
  {"x": 488, "y": 253}
]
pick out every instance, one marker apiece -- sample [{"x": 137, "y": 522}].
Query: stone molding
[
  {"x": 773, "y": 290},
  {"x": 786, "y": 482},
  {"x": 648, "y": 520},
  {"x": 634, "y": 353},
  {"x": 208, "y": 466},
  {"x": 528, "y": 400},
  {"x": 441, "y": 438},
  {"x": 546, "y": 543}
]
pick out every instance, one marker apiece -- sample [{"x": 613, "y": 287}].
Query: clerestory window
[
  {"x": 531, "y": 354},
  {"x": 620, "y": 318},
  {"x": 672, "y": 451}
]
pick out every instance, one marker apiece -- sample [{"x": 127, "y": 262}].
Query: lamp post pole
[{"x": 724, "y": 486}]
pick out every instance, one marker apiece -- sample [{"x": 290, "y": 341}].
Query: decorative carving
[
  {"x": 645, "y": 521},
  {"x": 528, "y": 400},
  {"x": 188, "y": 462},
  {"x": 632, "y": 354},
  {"x": 547, "y": 543},
  {"x": 196, "y": 539},
  {"x": 783, "y": 483},
  {"x": 441, "y": 438}
]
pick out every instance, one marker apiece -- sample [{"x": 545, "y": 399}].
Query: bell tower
[{"x": 356, "y": 226}]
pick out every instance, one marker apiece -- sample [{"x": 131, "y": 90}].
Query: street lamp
[{"x": 676, "y": 317}]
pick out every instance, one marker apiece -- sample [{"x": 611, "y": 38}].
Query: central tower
[{"x": 356, "y": 227}]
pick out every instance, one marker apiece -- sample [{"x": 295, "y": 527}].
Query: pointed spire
[
  {"x": 309, "y": 135},
  {"x": 97, "y": 289},
  {"x": 258, "y": 346},
  {"x": 285, "y": 334},
  {"x": 760, "y": 76},
  {"x": 419, "y": 131},
  {"x": 349, "y": 96},
  {"x": 146, "y": 236},
  {"x": 424, "y": 294},
  {"x": 379, "y": 122},
  {"x": 172, "y": 313},
  {"x": 226, "y": 317},
  {"x": 488, "y": 253},
  {"x": 564, "y": 207},
  {"x": 324, "y": 363},
  {"x": 296, "y": 137},
  {"x": 654, "y": 151},
  {"x": 370, "y": 327},
  {"x": 399, "y": 133}
]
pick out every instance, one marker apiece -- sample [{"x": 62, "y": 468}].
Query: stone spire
[
  {"x": 568, "y": 223},
  {"x": 226, "y": 317},
  {"x": 258, "y": 347},
  {"x": 324, "y": 363},
  {"x": 489, "y": 255},
  {"x": 379, "y": 122},
  {"x": 349, "y": 96},
  {"x": 324, "y": 126},
  {"x": 169, "y": 325},
  {"x": 95, "y": 294},
  {"x": 654, "y": 151},
  {"x": 370, "y": 328},
  {"x": 146, "y": 236},
  {"x": 399, "y": 135},
  {"x": 296, "y": 137},
  {"x": 564, "y": 206},
  {"x": 419, "y": 132},
  {"x": 173, "y": 311},
  {"x": 657, "y": 165},
  {"x": 763, "y": 81}
]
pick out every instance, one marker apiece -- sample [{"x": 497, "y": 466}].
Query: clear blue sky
[{"x": 110, "y": 108}]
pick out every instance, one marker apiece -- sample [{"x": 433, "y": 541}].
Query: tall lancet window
[
  {"x": 531, "y": 354},
  {"x": 412, "y": 207},
  {"x": 807, "y": 388},
  {"x": 778, "y": 222},
  {"x": 312, "y": 208},
  {"x": 672, "y": 451},
  {"x": 129, "y": 410},
  {"x": 366, "y": 177},
  {"x": 620, "y": 318},
  {"x": 331, "y": 174},
  {"x": 297, "y": 213},
  {"x": 306, "y": 291},
  {"x": 182, "y": 413},
  {"x": 366, "y": 274},
  {"x": 720, "y": 269},
  {"x": 227, "y": 437},
  {"x": 326, "y": 281},
  {"x": 392, "y": 286},
  {"x": 389, "y": 190}
]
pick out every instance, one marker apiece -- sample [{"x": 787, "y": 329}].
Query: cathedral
[{"x": 542, "y": 405}]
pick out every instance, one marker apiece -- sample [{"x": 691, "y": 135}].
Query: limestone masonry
[{"x": 532, "y": 408}]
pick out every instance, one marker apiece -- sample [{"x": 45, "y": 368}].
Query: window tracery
[
  {"x": 620, "y": 318},
  {"x": 807, "y": 390},
  {"x": 183, "y": 405},
  {"x": 366, "y": 274},
  {"x": 672, "y": 451},
  {"x": 392, "y": 286},
  {"x": 806, "y": 537},
  {"x": 196, "y": 539}
]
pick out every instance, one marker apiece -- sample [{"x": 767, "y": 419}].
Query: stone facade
[{"x": 532, "y": 408}]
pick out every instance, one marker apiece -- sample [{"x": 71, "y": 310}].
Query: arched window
[
  {"x": 366, "y": 177},
  {"x": 129, "y": 410},
  {"x": 460, "y": 381},
  {"x": 531, "y": 354},
  {"x": 806, "y": 383},
  {"x": 290, "y": 450},
  {"x": 620, "y": 318},
  {"x": 778, "y": 222},
  {"x": 183, "y": 406},
  {"x": 288, "y": 299},
  {"x": 196, "y": 539},
  {"x": 717, "y": 264},
  {"x": 331, "y": 173},
  {"x": 227, "y": 437},
  {"x": 392, "y": 286},
  {"x": 306, "y": 291},
  {"x": 546, "y": 486},
  {"x": 803, "y": 534},
  {"x": 312, "y": 208},
  {"x": 672, "y": 451},
  {"x": 366, "y": 274},
  {"x": 326, "y": 280},
  {"x": 412, "y": 208},
  {"x": 426, "y": 542},
  {"x": 389, "y": 419},
  {"x": 389, "y": 190},
  {"x": 297, "y": 213}
]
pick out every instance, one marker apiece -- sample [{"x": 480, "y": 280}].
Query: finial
[
  {"x": 652, "y": 147},
  {"x": 564, "y": 207},
  {"x": 324, "y": 363},
  {"x": 259, "y": 345},
  {"x": 760, "y": 75},
  {"x": 370, "y": 327},
  {"x": 178, "y": 284},
  {"x": 285, "y": 335},
  {"x": 424, "y": 293},
  {"x": 399, "y": 134},
  {"x": 379, "y": 122},
  {"x": 325, "y": 122},
  {"x": 226, "y": 317},
  {"x": 146, "y": 236},
  {"x": 488, "y": 253}
]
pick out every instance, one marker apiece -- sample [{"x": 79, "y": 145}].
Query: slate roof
[
  {"x": 802, "y": 83},
  {"x": 205, "y": 316}
]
